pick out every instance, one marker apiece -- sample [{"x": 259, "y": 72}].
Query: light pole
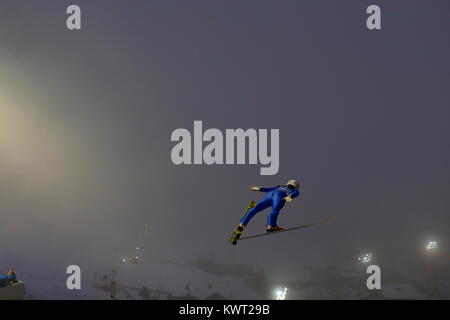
[
  {"x": 113, "y": 285},
  {"x": 431, "y": 248}
]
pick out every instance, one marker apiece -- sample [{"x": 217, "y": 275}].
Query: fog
[{"x": 86, "y": 118}]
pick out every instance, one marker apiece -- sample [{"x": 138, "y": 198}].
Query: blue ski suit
[{"x": 273, "y": 198}]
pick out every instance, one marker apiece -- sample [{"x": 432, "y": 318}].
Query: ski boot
[
  {"x": 236, "y": 234},
  {"x": 273, "y": 229},
  {"x": 240, "y": 228}
]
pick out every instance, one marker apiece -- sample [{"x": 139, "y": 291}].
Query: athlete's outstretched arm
[{"x": 262, "y": 189}]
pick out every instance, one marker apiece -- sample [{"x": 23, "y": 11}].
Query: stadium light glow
[
  {"x": 366, "y": 258},
  {"x": 431, "y": 245},
  {"x": 280, "y": 294}
]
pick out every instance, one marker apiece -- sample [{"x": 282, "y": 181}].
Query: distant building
[
  {"x": 215, "y": 296},
  {"x": 399, "y": 291},
  {"x": 187, "y": 297}
]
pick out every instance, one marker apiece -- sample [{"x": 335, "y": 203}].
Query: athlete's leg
[
  {"x": 277, "y": 205},
  {"x": 260, "y": 206}
]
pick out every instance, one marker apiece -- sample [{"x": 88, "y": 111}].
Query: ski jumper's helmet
[{"x": 293, "y": 183}]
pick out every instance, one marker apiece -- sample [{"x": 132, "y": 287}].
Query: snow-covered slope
[
  {"x": 174, "y": 280},
  {"x": 158, "y": 280}
]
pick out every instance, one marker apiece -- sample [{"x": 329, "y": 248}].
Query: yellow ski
[
  {"x": 238, "y": 231},
  {"x": 288, "y": 229}
]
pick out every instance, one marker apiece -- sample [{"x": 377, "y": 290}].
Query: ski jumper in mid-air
[{"x": 275, "y": 197}]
